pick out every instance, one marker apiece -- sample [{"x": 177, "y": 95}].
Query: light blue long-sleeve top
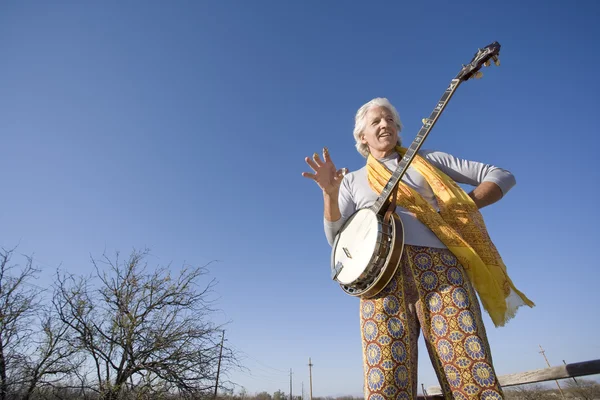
[{"x": 355, "y": 192}]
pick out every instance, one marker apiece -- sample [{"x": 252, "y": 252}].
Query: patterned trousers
[{"x": 430, "y": 291}]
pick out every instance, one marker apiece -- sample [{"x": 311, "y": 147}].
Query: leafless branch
[{"x": 144, "y": 328}]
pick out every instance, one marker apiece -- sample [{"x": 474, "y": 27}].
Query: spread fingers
[
  {"x": 311, "y": 163},
  {"x": 309, "y": 176},
  {"x": 317, "y": 159}
]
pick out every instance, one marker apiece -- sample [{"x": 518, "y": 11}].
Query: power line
[
  {"x": 261, "y": 379},
  {"x": 258, "y": 361},
  {"x": 272, "y": 378},
  {"x": 273, "y": 373}
]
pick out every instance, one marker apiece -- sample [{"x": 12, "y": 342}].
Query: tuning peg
[
  {"x": 487, "y": 63},
  {"x": 496, "y": 61},
  {"x": 478, "y": 75}
]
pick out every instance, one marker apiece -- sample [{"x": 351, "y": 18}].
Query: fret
[
  {"x": 444, "y": 98},
  {"x": 434, "y": 115},
  {"x": 382, "y": 202}
]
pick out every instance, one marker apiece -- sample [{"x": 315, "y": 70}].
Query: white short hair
[{"x": 359, "y": 122}]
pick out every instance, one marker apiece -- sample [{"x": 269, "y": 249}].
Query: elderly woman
[{"x": 444, "y": 261}]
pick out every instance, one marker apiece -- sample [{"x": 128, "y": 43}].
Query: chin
[{"x": 390, "y": 145}]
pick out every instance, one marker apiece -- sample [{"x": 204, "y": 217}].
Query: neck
[{"x": 379, "y": 154}]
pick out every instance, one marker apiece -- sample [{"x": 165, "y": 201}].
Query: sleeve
[
  {"x": 347, "y": 208},
  {"x": 470, "y": 172}
]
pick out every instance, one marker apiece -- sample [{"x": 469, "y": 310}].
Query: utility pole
[
  {"x": 310, "y": 364},
  {"x": 302, "y": 390},
  {"x": 542, "y": 352},
  {"x": 290, "y": 384},
  {"x": 219, "y": 365}
]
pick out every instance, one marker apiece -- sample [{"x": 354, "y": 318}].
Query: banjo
[{"x": 366, "y": 251}]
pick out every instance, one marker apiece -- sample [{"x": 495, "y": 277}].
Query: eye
[
  {"x": 391, "y": 119},
  {"x": 375, "y": 122}
]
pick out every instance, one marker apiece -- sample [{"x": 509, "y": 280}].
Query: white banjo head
[{"x": 355, "y": 245}]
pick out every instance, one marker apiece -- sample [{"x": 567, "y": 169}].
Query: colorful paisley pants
[{"x": 432, "y": 292}]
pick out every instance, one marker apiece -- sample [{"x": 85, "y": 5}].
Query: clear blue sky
[{"x": 183, "y": 126}]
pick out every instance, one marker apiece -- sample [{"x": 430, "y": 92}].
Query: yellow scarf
[{"x": 460, "y": 226}]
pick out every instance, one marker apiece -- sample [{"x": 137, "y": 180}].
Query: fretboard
[{"x": 383, "y": 201}]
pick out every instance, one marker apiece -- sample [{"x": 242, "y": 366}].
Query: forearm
[
  {"x": 486, "y": 193},
  {"x": 331, "y": 206}
]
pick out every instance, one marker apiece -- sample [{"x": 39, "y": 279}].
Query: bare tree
[
  {"x": 143, "y": 329},
  {"x": 584, "y": 389},
  {"x": 527, "y": 392},
  {"x": 53, "y": 360},
  {"x": 263, "y": 396},
  {"x": 18, "y": 303},
  {"x": 34, "y": 350},
  {"x": 279, "y": 395}
]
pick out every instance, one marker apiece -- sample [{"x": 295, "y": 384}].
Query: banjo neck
[
  {"x": 481, "y": 58},
  {"x": 383, "y": 201}
]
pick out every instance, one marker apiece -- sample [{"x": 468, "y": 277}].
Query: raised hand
[{"x": 325, "y": 173}]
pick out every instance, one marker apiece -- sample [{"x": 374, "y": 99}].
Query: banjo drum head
[{"x": 356, "y": 245}]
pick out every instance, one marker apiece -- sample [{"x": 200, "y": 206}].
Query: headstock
[{"x": 481, "y": 58}]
